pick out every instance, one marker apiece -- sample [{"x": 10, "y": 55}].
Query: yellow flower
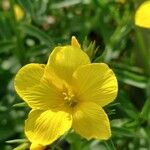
[
  {"x": 19, "y": 13},
  {"x": 142, "y": 16},
  {"x": 68, "y": 92}
]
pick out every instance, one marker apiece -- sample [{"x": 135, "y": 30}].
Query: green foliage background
[{"x": 121, "y": 44}]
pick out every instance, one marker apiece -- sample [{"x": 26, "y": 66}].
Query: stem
[
  {"x": 19, "y": 42},
  {"x": 143, "y": 49}
]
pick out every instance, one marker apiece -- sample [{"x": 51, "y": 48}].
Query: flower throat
[{"x": 69, "y": 97}]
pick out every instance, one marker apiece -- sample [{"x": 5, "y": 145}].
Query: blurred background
[{"x": 30, "y": 29}]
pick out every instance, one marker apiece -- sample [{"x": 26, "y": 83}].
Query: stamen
[{"x": 69, "y": 98}]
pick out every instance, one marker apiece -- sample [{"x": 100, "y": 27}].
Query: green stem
[
  {"x": 19, "y": 42},
  {"x": 143, "y": 49}
]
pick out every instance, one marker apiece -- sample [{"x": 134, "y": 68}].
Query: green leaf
[
  {"x": 145, "y": 113},
  {"x": 110, "y": 145},
  {"x": 76, "y": 142},
  {"x": 5, "y": 27},
  {"x": 23, "y": 104},
  {"x": 123, "y": 132},
  {"x": 36, "y": 32},
  {"x": 27, "y": 5},
  {"x": 131, "y": 78},
  {"x": 23, "y": 146},
  {"x": 90, "y": 48},
  {"x": 17, "y": 141},
  {"x": 129, "y": 108},
  {"x": 6, "y": 46},
  {"x": 5, "y": 124},
  {"x": 65, "y": 4}
]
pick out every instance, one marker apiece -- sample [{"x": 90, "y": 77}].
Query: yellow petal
[
  {"x": 28, "y": 77},
  {"x": 63, "y": 61},
  {"x": 74, "y": 42},
  {"x": 36, "y": 91},
  {"x": 35, "y": 146},
  {"x": 96, "y": 83},
  {"x": 142, "y": 16},
  {"x": 44, "y": 96},
  {"x": 44, "y": 127},
  {"x": 90, "y": 121}
]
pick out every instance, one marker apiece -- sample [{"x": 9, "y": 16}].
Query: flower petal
[
  {"x": 44, "y": 127},
  {"x": 44, "y": 96},
  {"x": 96, "y": 83},
  {"x": 142, "y": 16},
  {"x": 74, "y": 42},
  {"x": 63, "y": 61},
  {"x": 38, "y": 92},
  {"x": 90, "y": 121},
  {"x": 28, "y": 77}
]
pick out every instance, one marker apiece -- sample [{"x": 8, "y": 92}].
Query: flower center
[{"x": 69, "y": 98}]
